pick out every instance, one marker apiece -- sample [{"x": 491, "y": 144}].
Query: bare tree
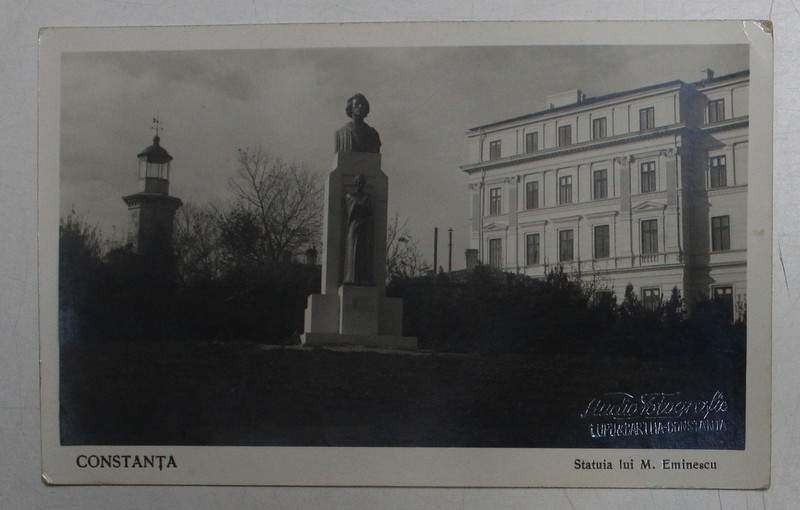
[
  {"x": 404, "y": 258},
  {"x": 197, "y": 241},
  {"x": 78, "y": 240},
  {"x": 283, "y": 201}
]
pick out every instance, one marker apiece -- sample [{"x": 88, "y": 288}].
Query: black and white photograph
[{"x": 407, "y": 251}]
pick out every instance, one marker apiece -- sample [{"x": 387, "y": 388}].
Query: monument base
[
  {"x": 376, "y": 341},
  {"x": 356, "y": 315}
]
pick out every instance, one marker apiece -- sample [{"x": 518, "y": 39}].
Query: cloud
[
  {"x": 290, "y": 101},
  {"x": 218, "y": 71}
]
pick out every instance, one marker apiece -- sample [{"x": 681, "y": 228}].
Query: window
[
  {"x": 599, "y": 128},
  {"x": 648, "y": 173},
  {"x": 532, "y": 195},
  {"x": 565, "y": 245},
  {"x": 651, "y": 298},
  {"x": 649, "y": 237},
  {"x": 600, "y": 184},
  {"x": 647, "y": 118},
  {"x": 718, "y": 171},
  {"x": 495, "y": 201},
  {"x": 564, "y": 135},
  {"x": 496, "y": 253},
  {"x": 720, "y": 233},
  {"x": 531, "y": 142},
  {"x": 494, "y": 149},
  {"x": 601, "y": 242},
  {"x": 532, "y": 249},
  {"x": 723, "y": 297},
  {"x": 153, "y": 170},
  {"x": 565, "y": 190},
  {"x": 716, "y": 111}
]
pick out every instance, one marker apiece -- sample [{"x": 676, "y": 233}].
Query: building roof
[
  {"x": 155, "y": 153},
  {"x": 615, "y": 95}
]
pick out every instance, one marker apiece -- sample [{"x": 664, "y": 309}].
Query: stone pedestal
[{"x": 345, "y": 313}]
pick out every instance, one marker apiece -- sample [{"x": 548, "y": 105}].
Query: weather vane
[{"x": 156, "y": 124}]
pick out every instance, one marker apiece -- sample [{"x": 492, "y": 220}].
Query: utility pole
[
  {"x": 450, "y": 250},
  {"x": 435, "y": 250}
]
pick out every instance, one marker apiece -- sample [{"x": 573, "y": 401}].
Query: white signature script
[{"x": 622, "y": 405}]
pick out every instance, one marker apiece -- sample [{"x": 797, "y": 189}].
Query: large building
[{"x": 646, "y": 186}]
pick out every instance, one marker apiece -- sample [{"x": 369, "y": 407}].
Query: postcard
[{"x": 506, "y": 254}]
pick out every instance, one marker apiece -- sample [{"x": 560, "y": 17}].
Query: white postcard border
[{"x": 457, "y": 467}]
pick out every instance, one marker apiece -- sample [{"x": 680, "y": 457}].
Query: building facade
[{"x": 645, "y": 187}]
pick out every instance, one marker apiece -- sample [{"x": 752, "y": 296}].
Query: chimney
[
  {"x": 567, "y": 98},
  {"x": 709, "y": 74}
]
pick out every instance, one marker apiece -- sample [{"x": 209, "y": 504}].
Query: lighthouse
[{"x": 152, "y": 209}]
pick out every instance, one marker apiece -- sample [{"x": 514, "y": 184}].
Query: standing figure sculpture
[
  {"x": 358, "y": 246},
  {"x": 357, "y": 135}
]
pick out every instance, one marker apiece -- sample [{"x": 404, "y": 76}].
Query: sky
[{"x": 291, "y": 101}]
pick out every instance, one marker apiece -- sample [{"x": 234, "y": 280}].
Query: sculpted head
[
  {"x": 361, "y": 104},
  {"x": 360, "y": 181}
]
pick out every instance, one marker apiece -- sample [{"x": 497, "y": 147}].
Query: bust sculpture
[
  {"x": 357, "y": 135},
  {"x": 358, "y": 245}
]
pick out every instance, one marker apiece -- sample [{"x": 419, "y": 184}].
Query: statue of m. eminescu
[{"x": 357, "y": 135}]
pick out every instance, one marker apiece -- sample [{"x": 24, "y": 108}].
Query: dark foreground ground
[{"x": 246, "y": 394}]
